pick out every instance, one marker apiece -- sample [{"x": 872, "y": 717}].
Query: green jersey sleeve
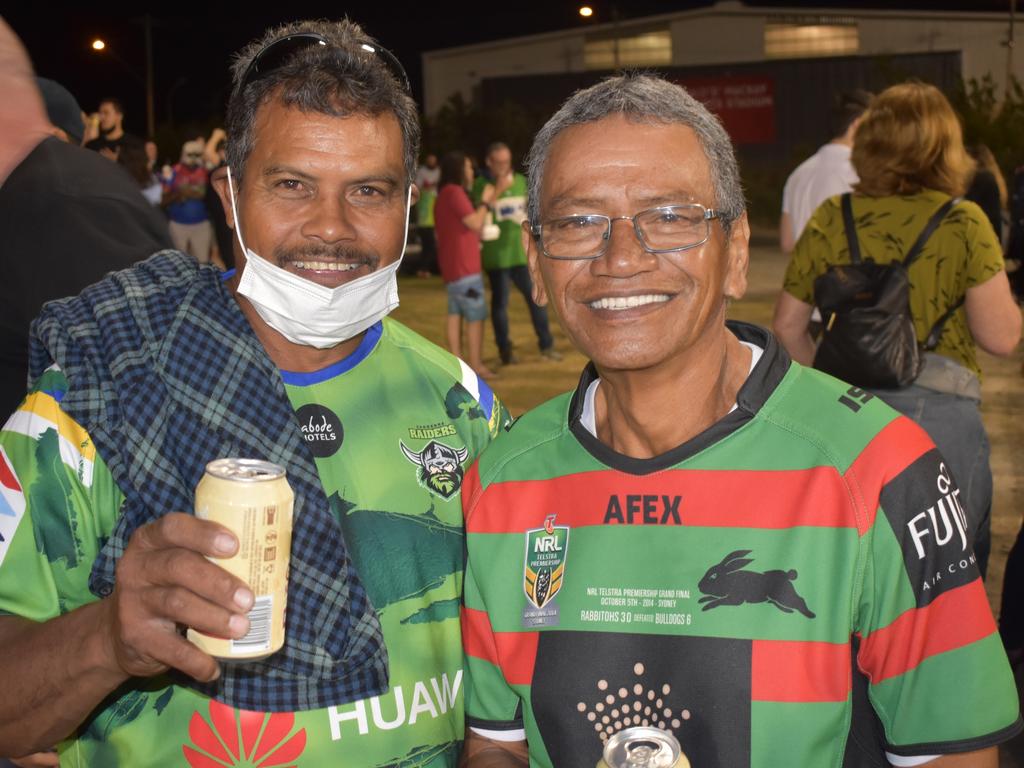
[
  {"x": 491, "y": 702},
  {"x": 939, "y": 679},
  {"x": 59, "y": 505}
]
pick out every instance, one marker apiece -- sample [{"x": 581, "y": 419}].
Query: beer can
[
  {"x": 643, "y": 746},
  {"x": 251, "y": 498}
]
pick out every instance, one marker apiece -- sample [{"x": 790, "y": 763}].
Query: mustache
[{"x": 339, "y": 252}]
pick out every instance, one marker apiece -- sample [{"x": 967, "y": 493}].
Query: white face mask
[{"x": 310, "y": 314}]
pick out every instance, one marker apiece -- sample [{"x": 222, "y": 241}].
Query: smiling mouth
[
  {"x": 619, "y": 303},
  {"x": 327, "y": 266}
]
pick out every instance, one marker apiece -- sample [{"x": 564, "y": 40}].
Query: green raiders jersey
[
  {"x": 509, "y": 212},
  {"x": 393, "y": 427},
  {"x": 717, "y": 591}
]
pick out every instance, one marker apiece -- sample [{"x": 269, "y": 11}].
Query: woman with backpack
[{"x": 909, "y": 155}]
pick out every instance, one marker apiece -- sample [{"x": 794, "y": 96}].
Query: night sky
[{"x": 192, "y": 51}]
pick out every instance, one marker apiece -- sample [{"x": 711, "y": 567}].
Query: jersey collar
[{"x": 756, "y": 390}]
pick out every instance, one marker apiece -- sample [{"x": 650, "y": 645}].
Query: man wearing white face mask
[{"x": 155, "y": 371}]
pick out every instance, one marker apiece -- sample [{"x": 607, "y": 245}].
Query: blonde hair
[{"x": 910, "y": 139}]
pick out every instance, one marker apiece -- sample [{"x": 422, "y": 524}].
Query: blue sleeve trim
[
  {"x": 486, "y": 398},
  {"x": 366, "y": 346}
]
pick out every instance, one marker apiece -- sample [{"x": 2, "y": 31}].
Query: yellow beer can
[{"x": 252, "y": 498}]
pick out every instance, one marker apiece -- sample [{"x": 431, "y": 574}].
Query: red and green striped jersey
[{"x": 718, "y": 591}]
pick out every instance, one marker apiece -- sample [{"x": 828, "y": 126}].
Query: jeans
[
  {"x": 954, "y": 425},
  {"x": 520, "y": 276}
]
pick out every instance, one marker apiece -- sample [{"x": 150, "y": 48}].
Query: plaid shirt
[{"x": 165, "y": 374}]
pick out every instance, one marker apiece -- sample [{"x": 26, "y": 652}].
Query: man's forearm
[
  {"x": 54, "y": 673},
  {"x": 984, "y": 758},
  {"x": 493, "y": 757},
  {"x": 481, "y": 752},
  {"x": 800, "y": 346}
]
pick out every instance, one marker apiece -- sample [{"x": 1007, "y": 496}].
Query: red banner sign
[{"x": 745, "y": 105}]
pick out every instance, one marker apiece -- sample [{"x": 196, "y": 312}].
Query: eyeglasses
[
  {"x": 274, "y": 56},
  {"x": 666, "y": 229}
]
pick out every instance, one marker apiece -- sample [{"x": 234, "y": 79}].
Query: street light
[
  {"x": 586, "y": 11},
  {"x": 98, "y": 45}
]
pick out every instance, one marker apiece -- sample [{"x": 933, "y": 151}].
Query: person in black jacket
[{"x": 67, "y": 215}]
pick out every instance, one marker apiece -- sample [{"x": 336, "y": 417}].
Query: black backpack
[{"x": 868, "y": 336}]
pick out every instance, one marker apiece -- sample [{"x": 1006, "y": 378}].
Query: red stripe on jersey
[
  {"x": 793, "y": 671},
  {"x": 898, "y": 445},
  {"x": 954, "y": 619},
  {"x": 514, "y": 652},
  {"x": 518, "y": 653},
  {"x": 711, "y": 498},
  {"x": 470, "y": 491},
  {"x": 477, "y": 635}
]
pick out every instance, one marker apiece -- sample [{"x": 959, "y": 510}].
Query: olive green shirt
[{"x": 962, "y": 252}]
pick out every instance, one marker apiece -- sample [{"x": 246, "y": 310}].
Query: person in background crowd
[
  {"x": 504, "y": 259},
  {"x": 458, "y": 228},
  {"x": 1015, "y": 246},
  {"x": 904, "y": 179},
  {"x": 988, "y": 187},
  {"x": 112, "y": 136},
  {"x": 152, "y": 155},
  {"x": 757, "y": 524},
  {"x": 66, "y": 118},
  {"x": 133, "y": 159},
  {"x": 161, "y": 368},
  {"x": 69, "y": 216},
  {"x": 183, "y": 197},
  {"x": 427, "y": 177},
  {"x": 825, "y": 173},
  {"x": 222, "y": 252}
]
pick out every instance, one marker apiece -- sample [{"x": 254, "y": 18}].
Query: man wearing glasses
[
  {"x": 150, "y": 374},
  {"x": 693, "y": 538}
]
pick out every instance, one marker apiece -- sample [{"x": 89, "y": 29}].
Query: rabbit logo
[{"x": 728, "y": 584}]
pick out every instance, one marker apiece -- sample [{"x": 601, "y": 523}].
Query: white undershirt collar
[{"x": 588, "y": 418}]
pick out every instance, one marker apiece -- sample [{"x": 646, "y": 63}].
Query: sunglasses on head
[{"x": 274, "y": 56}]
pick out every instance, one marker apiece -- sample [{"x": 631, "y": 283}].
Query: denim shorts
[{"x": 466, "y": 298}]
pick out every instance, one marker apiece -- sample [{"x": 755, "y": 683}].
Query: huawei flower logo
[{"x": 241, "y": 738}]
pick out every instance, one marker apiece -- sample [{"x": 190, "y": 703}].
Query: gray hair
[
  {"x": 644, "y": 98},
  {"x": 337, "y": 79}
]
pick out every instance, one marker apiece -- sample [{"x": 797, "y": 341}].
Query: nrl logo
[
  {"x": 544, "y": 568},
  {"x": 440, "y": 467}
]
